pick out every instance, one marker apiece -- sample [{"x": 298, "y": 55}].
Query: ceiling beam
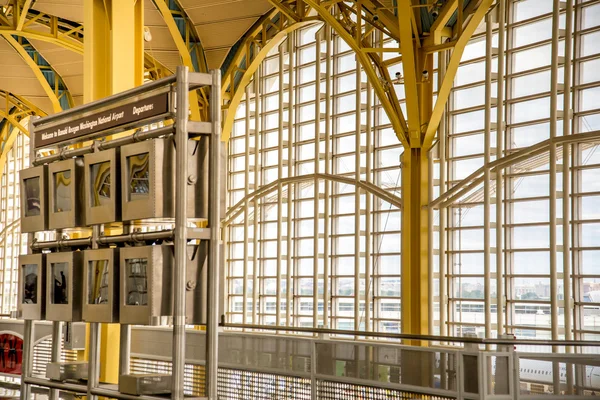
[
  {"x": 392, "y": 108},
  {"x": 448, "y": 78},
  {"x": 186, "y": 58},
  {"x": 35, "y": 68},
  {"x": 12, "y": 120},
  {"x": 23, "y": 14},
  {"x": 445, "y": 13},
  {"x": 405, "y": 16}
]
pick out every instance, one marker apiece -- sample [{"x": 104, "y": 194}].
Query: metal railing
[{"x": 260, "y": 365}]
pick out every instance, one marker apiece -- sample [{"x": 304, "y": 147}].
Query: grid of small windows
[
  {"x": 530, "y": 189},
  {"x": 317, "y": 241},
  {"x": 12, "y": 243},
  {"x": 585, "y": 173}
]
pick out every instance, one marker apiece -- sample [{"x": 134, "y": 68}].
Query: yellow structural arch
[
  {"x": 186, "y": 58},
  {"x": 259, "y": 35},
  {"x": 36, "y": 71},
  {"x": 452, "y": 67}
]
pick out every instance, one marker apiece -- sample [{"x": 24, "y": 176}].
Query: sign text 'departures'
[{"x": 86, "y": 126}]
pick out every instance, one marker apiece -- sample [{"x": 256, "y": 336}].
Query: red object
[{"x": 11, "y": 354}]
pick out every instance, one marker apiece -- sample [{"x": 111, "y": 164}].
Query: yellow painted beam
[
  {"x": 46, "y": 37},
  {"x": 23, "y": 14},
  {"x": 24, "y": 105},
  {"x": 127, "y": 52},
  {"x": 439, "y": 24},
  {"x": 387, "y": 18},
  {"x": 448, "y": 79},
  {"x": 113, "y": 62},
  {"x": 226, "y": 79},
  {"x": 96, "y": 57},
  {"x": 186, "y": 58},
  {"x": 13, "y": 121},
  {"x": 409, "y": 67},
  {"x": 285, "y": 10},
  {"x": 36, "y": 71},
  {"x": 393, "y": 111},
  {"x": 415, "y": 269},
  {"x": 251, "y": 68}
]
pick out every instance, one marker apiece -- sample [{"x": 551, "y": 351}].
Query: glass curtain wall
[
  {"x": 12, "y": 242},
  {"x": 317, "y": 252},
  {"x": 532, "y": 272}
]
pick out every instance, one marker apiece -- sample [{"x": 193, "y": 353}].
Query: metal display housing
[
  {"x": 71, "y": 370},
  {"x": 205, "y": 151},
  {"x": 159, "y": 286},
  {"x": 106, "y": 312},
  {"x": 110, "y": 208},
  {"x": 39, "y": 222},
  {"x": 71, "y": 310},
  {"x": 35, "y": 310},
  {"x": 141, "y": 384},
  {"x": 159, "y": 202},
  {"x": 75, "y": 217}
]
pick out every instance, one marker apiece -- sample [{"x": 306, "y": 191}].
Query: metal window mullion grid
[
  {"x": 15, "y": 233},
  {"x": 577, "y": 183},
  {"x": 6, "y": 265}
]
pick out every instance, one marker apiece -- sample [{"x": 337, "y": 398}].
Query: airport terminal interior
[{"x": 380, "y": 199}]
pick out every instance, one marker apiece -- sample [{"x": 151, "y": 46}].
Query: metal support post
[
  {"x": 95, "y": 338},
  {"x": 56, "y": 345},
  {"x": 487, "y": 275},
  {"x": 125, "y": 333},
  {"x": 500, "y": 125},
  {"x": 181, "y": 142},
  {"x": 212, "y": 333},
  {"x": 566, "y": 189},
  {"x": 553, "y": 198},
  {"x": 415, "y": 284},
  {"x": 28, "y": 325},
  {"x": 443, "y": 210}
]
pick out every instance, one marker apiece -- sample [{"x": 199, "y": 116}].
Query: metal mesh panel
[
  {"x": 194, "y": 381},
  {"x": 327, "y": 390},
  {"x": 42, "y": 355},
  {"x": 240, "y": 385}
]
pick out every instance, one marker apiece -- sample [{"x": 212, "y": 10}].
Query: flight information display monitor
[
  {"x": 34, "y": 215},
  {"x": 66, "y": 208},
  {"x": 64, "y": 286},
  {"x": 101, "y": 286},
  {"x": 102, "y": 187},
  {"x": 32, "y": 289}
]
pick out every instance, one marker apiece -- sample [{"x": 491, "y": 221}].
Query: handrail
[
  {"x": 133, "y": 237},
  {"x": 429, "y": 338}
]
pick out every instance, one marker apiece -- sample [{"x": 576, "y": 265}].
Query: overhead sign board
[{"x": 87, "y": 126}]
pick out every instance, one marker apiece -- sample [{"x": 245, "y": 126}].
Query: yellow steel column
[
  {"x": 415, "y": 268},
  {"x": 113, "y": 62},
  {"x": 415, "y": 197}
]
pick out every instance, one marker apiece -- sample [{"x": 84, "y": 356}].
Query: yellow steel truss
[
  {"x": 293, "y": 15},
  {"x": 35, "y": 68},
  {"x": 198, "y": 105},
  {"x": 355, "y": 22}
]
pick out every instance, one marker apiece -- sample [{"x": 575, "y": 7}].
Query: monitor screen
[
  {"x": 62, "y": 191},
  {"x": 98, "y": 282},
  {"x": 60, "y": 283},
  {"x": 136, "y": 285},
  {"x": 100, "y": 184},
  {"x": 30, "y": 280},
  {"x": 139, "y": 176},
  {"x": 32, "y": 194}
]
